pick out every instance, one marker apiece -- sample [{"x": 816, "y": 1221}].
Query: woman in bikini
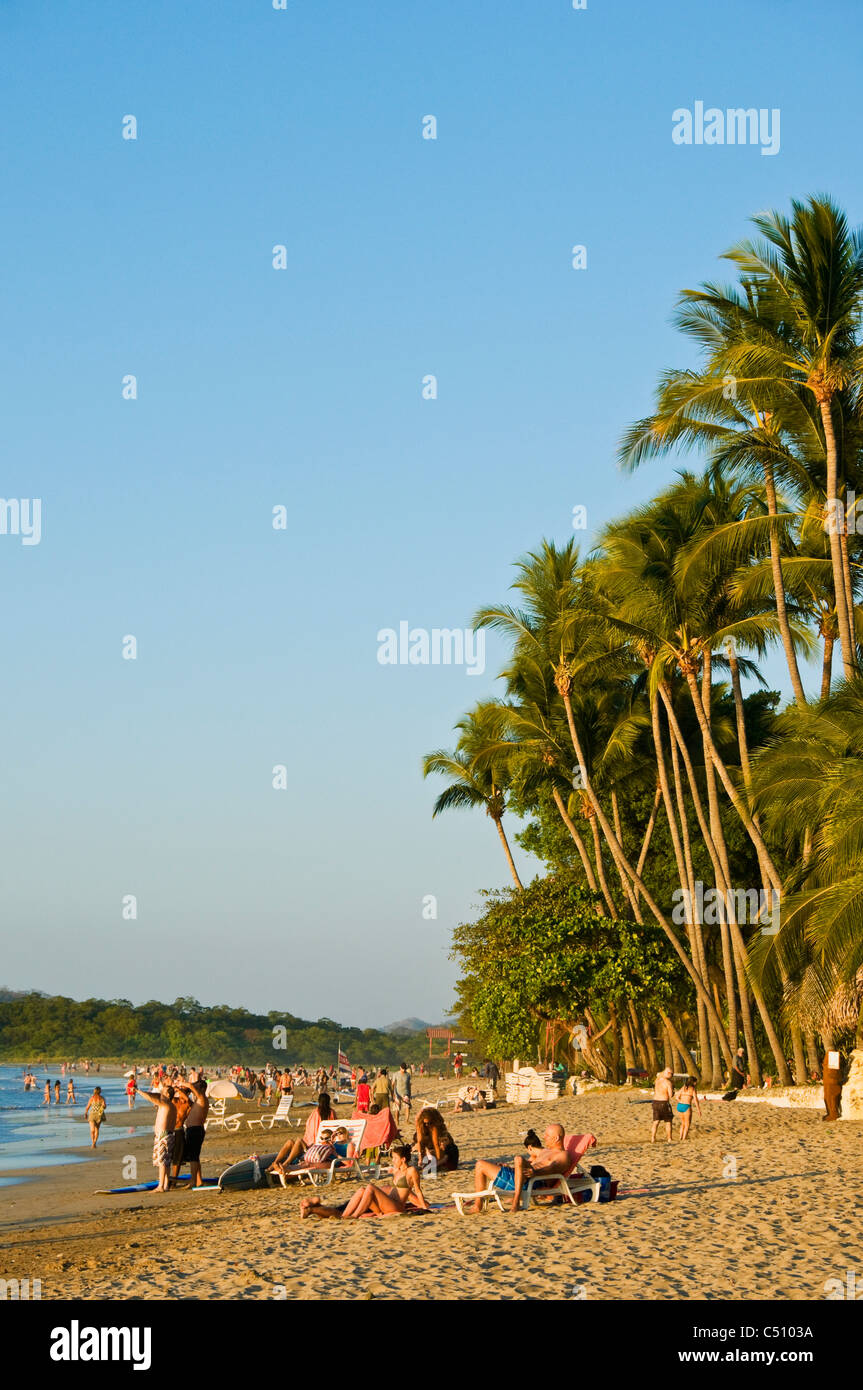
[
  {"x": 687, "y": 1096},
  {"x": 405, "y": 1193}
]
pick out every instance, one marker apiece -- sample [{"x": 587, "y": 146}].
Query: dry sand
[{"x": 682, "y": 1228}]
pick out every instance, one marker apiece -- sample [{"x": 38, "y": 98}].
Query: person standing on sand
[
  {"x": 663, "y": 1089},
  {"x": 131, "y": 1091},
  {"x": 182, "y": 1105},
  {"x": 687, "y": 1096},
  {"x": 382, "y": 1091},
  {"x": 402, "y": 1091},
  {"x": 163, "y": 1132},
  {"x": 94, "y": 1111},
  {"x": 738, "y": 1070},
  {"x": 195, "y": 1129},
  {"x": 831, "y": 1073},
  {"x": 363, "y": 1096}
]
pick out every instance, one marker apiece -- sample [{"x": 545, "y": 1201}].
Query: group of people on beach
[
  {"x": 71, "y": 1097},
  {"x": 182, "y": 1107}
]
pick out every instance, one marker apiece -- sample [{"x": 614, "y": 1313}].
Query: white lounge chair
[
  {"x": 566, "y": 1187},
  {"x": 337, "y": 1167},
  {"x": 281, "y": 1113},
  {"x": 488, "y": 1194},
  {"x": 217, "y": 1116}
]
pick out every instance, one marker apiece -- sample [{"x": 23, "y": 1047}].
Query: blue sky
[{"x": 259, "y": 387}]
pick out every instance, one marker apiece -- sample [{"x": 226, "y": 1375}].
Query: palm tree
[
  {"x": 797, "y": 319},
  {"x": 811, "y": 774},
  {"x": 472, "y": 785},
  {"x": 561, "y": 629}
]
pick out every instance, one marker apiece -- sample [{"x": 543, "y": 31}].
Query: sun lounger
[
  {"x": 281, "y": 1114},
  {"x": 558, "y": 1184},
  {"x": 229, "y": 1122},
  {"x": 322, "y": 1175}
]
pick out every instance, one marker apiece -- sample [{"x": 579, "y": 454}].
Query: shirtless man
[
  {"x": 549, "y": 1161},
  {"x": 194, "y": 1132},
  {"x": 163, "y": 1132},
  {"x": 663, "y": 1089},
  {"x": 182, "y": 1105}
]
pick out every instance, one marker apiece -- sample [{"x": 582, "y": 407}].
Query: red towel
[
  {"x": 380, "y": 1129},
  {"x": 577, "y": 1145}
]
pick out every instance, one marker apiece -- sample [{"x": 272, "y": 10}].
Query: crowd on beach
[{"x": 384, "y": 1100}]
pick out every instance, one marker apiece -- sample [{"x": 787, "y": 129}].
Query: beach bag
[{"x": 603, "y": 1177}]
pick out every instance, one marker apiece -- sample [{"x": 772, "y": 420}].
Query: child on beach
[{"x": 687, "y": 1096}]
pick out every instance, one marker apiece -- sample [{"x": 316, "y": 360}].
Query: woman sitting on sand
[
  {"x": 405, "y": 1194},
  {"x": 434, "y": 1139}
]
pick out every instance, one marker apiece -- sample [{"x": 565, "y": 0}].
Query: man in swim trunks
[
  {"x": 663, "y": 1089},
  {"x": 553, "y": 1159},
  {"x": 195, "y": 1128},
  {"x": 163, "y": 1133}
]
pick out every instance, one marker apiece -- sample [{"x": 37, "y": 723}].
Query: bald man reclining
[{"x": 547, "y": 1162}]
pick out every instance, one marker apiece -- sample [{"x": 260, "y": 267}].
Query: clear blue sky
[{"x": 303, "y": 387}]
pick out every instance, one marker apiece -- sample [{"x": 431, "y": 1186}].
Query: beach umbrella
[{"x": 222, "y": 1090}]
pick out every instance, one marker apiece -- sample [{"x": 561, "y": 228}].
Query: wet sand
[{"x": 683, "y": 1226}]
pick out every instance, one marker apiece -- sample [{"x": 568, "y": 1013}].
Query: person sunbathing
[
  {"x": 343, "y": 1144},
  {"x": 293, "y": 1149},
  {"x": 405, "y": 1194},
  {"x": 306, "y": 1155},
  {"x": 546, "y": 1162}
]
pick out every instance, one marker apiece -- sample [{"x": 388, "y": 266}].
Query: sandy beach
[{"x": 682, "y": 1228}]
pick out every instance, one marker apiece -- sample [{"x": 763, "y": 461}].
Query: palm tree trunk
[
  {"x": 834, "y": 529},
  {"x": 616, "y": 1037},
  {"x": 618, "y": 830},
  {"x": 811, "y": 1051},
  {"x": 683, "y": 1051},
  {"x": 799, "y": 1058},
  {"x": 650, "y": 1044},
  {"x": 653, "y": 907},
  {"x": 693, "y": 926},
  {"x": 720, "y": 873},
  {"x": 849, "y": 588},
  {"x": 506, "y": 849},
  {"x": 779, "y": 591},
  {"x": 739, "y": 712},
  {"x": 733, "y": 794},
  {"x": 579, "y": 843},
  {"x": 667, "y": 1049},
  {"x": 720, "y": 865},
  {"x": 645, "y": 844},
  {"x": 827, "y": 663},
  {"x": 600, "y": 870}
]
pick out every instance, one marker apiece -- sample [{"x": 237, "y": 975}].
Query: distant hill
[{"x": 407, "y": 1025}]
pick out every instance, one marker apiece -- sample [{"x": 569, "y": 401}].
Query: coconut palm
[
  {"x": 811, "y": 774},
  {"x": 471, "y": 785}
]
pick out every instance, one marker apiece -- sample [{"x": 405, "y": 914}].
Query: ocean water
[{"x": 35, "y": 1135}]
